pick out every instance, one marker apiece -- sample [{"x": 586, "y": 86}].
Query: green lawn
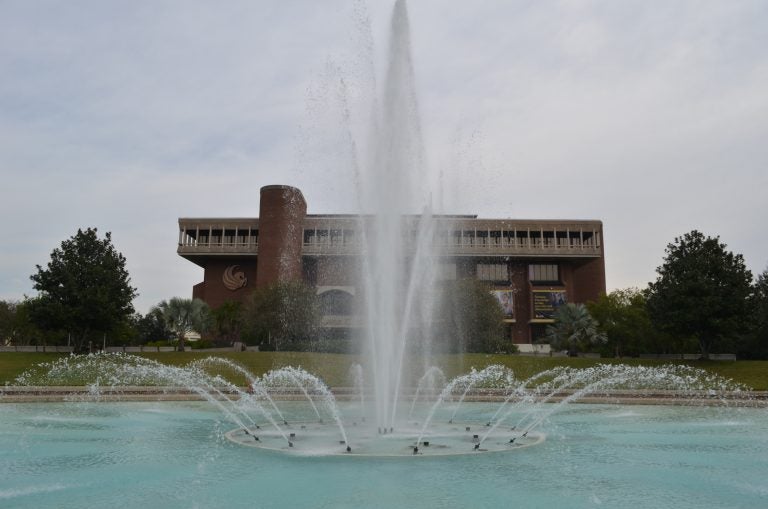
[{"x": 334, "y": 368}]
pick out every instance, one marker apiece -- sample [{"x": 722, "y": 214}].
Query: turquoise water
[{"x": 175, "y": 455}]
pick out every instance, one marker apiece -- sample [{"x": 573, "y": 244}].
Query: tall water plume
[{"x": 398, "y": 268}]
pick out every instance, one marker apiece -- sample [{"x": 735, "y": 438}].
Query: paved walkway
[{"x": 29, "y": 394}]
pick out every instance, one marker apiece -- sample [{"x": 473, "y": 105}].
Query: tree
[
  {"x": 471, "y": 318},
  {"x": 84, "y": 290},
  {"x": 152, "y": 327},
  {"x": 702, "y": 291},
  {"x": 623, "y": 317},
  {"x": 141, "y": 329},
  {"x": 183, "y": 316},
  {"x": 574, "y": 329},
  {"x": 283, "y": 316},
  {"x": 755, "y": 342},
  {"x": 8, "y": 322},
  {"x": 15, "y": 325},
  {"x": 227, "y": 322}
]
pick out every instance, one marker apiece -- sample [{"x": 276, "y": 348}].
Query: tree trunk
[
  {"x": 80, "y": 341},
  {"x": 704, "y": 347}
]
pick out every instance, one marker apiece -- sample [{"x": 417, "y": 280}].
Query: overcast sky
[{"x": 126, "y": 115}]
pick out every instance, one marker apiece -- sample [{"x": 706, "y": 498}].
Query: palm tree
[
  {"x": 184, "y": 316},
  {"x": 574, "y": 329}
]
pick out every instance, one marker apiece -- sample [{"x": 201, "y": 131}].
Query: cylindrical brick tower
[{"x": 281, "y": 217}]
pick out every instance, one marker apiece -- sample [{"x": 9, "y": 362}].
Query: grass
[
  {"x": 12, "y": 364},
  {"x": 334, "y": 368}
]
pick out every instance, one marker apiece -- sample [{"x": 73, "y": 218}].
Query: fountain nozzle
[
  {"x": 477, "y": 446},
  {"x": 349, "y": 449},
  {"x": 415, "y": 449}
]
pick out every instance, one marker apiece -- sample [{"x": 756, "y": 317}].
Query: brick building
[{"x": 533, "y": 265}]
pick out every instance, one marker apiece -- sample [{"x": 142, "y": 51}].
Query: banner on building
[
  {"x": 546, "y": 302},
  {"x": 506, "y": 301}
]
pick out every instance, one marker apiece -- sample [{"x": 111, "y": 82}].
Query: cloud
[{"x": 127, "y": 115}]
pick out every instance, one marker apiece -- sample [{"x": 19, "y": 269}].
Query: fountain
[
  {"x": 394, "y": 204},
  {"x": 397, "y": 216},
  {"x": 702, "y": 452},
  {"x": 266, "y": 415}
]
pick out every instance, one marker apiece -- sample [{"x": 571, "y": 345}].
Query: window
[
  {"x": 543, "y": 272},
  {"x": 336, "y": 303},
  {"x": 492, "y": 272}
]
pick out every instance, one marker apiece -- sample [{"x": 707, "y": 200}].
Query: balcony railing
[
  {"x": 218, "y": 236},
  {"x": 472, "y": 249},
  {"x": 458, "y": 237},
  {"x": 219, "y": 247}
]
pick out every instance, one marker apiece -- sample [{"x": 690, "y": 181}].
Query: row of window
[
  {"x": 543, "y": 272},
  {"x": 333, "y": 237},
  {"x": 219, "y": 237},
  {"x": 340, "y": 303},
  {"x": 538, "y": 272},
  {"x": 466, "y": 238}
]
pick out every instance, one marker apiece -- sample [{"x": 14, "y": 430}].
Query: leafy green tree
[
  {"x": 227, "y": 322},
  {"x": 622, "y": 316},
  {"x": 471, "y": 319},
  {"x": 141, "y": 329},
  {"x": 16, "y": 328},
  {"x": 761, "y": 318},
  {"x": 574, "y": 330},
  {"x": 183, "y": 316},
  {"x": 702, "y": 291},
  {"x": 85, "y": 289},
  {"x": 755, "y": 343},
  {"x": 8, "y": 322},
  {"x": 152, "y": 327},
  {"x": 283, "y": 316}
]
